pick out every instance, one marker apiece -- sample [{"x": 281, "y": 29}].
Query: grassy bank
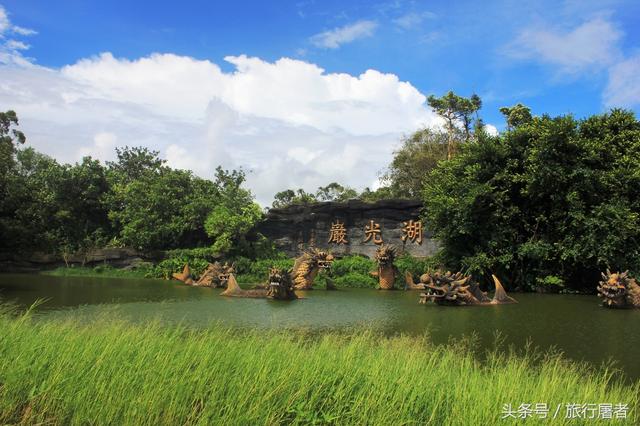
[
  {"x": 347, "y": 272},
  {"x": 111, "y": 372}
]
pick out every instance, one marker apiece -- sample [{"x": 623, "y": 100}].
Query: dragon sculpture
[
  {"x": 216, "y": 275},
  {"x": 618, "y": 290},
  {"x": 421, "y": 285},
  {"x": 307, "y": 266},
  {"x": 387, "y": 271},
  {"x": 459, "y": 290},
  {"x": 279, "y": 287}
]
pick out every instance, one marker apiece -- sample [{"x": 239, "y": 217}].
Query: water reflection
[{"x": 576, "y": 325}]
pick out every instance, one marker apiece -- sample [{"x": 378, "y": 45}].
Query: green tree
[
  {"x": 554, "y": 196},
  {"x": 10, "y": 137},
  {"x": 162, "y": 209},
  {"x": 516, "y": 115},
  {"x": 289, "y": 196},
  {"x": 455, "y": 110},
  {"x": 335, "y": 192},
  {"x": 382, "y": 193},
  {"x": 31, "y": 203},
  {"x": 418, "y": 155},
  {"x": 82, "y": 215},
  {"x": 134, "y": 162},
  {"x": 235, "y": 213}
]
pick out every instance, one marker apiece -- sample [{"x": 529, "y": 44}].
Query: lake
[{"x": 573, "y": 324}]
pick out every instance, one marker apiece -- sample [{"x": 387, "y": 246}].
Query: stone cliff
[{"x": 351, "y": 227}]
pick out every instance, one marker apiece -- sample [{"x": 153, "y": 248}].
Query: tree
[
  {"x": 335, "y": 192},
  {"x": 235, "y": 213},
  {"x": 382, "y": 193},
  {"x": 516, "y": 115},
  {"x": 164, "y": 209},
  {"x": 418, "y": 155},
  {"x": 554, "y": 196},
  {"x": 10, "y": 137},
  {"x": 456, "y": 109},
  {"x": 135, "y": 162},
  {"x": 27, "y": 221}
]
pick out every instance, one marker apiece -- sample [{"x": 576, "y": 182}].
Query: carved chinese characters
[
  {"x": 412, "y": 231},
  {"x": 338, "y": 233},
  {"x": 372, "y": 232}
]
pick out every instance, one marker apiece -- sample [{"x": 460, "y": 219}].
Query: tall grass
[{"x": 113, "y": 372}]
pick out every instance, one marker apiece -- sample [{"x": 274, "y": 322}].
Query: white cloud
[
  {"x": 16, "y": 45},
  {"x": 7, "y": 27},
  {"x": 103, "y": 147},
  {"x": 591, "y": 45},
  {"x": 336, "y": 37},
  {"x": 23, "y": 31},
  {"x": 289, "y": 122},
  {"x": 4, "y": 21},
  {"x": 491, "y": 129},
  {"x": 623, "y": 87},
  {"x": 10, "y": 49},
  {"x": 412, "y": 19}
]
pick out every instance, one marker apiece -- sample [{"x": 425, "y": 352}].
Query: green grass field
[{"x": 113, "y": 372}]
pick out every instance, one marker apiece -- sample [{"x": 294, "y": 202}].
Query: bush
[
  {"x": 250, "y": 271},
  {"x": 550, "y": 284},
  {"x": 355, "y": 280},
  {"x": 351, "y": 271},
  {"x": 416, "y": 265},
  {"x": 352, "y": 264},
  {"x": 197, "y": 258}
]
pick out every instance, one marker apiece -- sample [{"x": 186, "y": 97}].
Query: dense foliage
[
  {"x": 136, "y": 201},
  {"x": 418, "y": 155},
  {"x": 551, "y": 197}
]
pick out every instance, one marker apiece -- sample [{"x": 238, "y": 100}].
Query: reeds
[{"x": 113, "y": 372}]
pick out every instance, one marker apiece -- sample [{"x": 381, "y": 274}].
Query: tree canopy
[
  {"x": 135, "y": 201},
  {"x": 551, "y": 197}
]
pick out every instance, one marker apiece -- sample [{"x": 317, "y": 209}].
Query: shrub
[
  {"x": 197, "y": 258},
  {"x": 355, "y": 280},
  {"x": 550, "y": 284},
  {"x": 257, "y": 271},
  {"x": 416, "y": 265}
]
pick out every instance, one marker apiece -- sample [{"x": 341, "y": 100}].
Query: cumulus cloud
[
  {"x": 288, "y": 123},
  {"x": 491, "y": 129},
  {"x": 591, "y": 45},
  {"x": 103, "y": 147},
  {"x": 332, "y": 39}
]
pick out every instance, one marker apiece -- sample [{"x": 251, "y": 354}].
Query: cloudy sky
[{"x": 299, "y": 93}]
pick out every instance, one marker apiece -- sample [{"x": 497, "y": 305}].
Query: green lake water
[{"x": 575, "y": 325}]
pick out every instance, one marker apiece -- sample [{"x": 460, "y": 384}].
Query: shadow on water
[{"x": 574, "y": 325}]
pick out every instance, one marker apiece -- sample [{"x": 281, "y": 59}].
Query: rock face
[
  {"x": 116, "y": 257},
  {"x": 350, "y": 227}
]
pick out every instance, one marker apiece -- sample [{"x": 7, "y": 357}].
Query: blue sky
[{"x": 88, "y": 64}]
